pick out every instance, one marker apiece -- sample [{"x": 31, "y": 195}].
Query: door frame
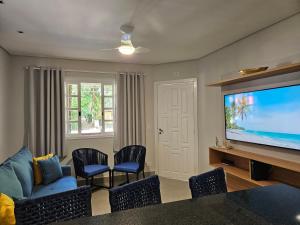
[{"x": 196, "y": 150}]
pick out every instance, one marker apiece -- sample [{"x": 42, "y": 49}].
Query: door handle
[{"x": 160, "y": 131}]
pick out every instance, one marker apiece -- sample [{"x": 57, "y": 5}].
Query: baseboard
[{"x": 118, "y": 179}]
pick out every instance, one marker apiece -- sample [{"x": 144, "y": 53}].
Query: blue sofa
[{"x": 33, "y": 202}]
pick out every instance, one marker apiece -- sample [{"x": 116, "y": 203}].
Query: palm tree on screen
[{"x": 243, "y": 107}]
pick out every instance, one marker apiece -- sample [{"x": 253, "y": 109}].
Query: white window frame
[{"x": 78, "y": 81}]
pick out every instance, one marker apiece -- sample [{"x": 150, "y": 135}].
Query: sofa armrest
[
  {"x": 54, "y": 208},
  {"x": 66, "y": 170}
]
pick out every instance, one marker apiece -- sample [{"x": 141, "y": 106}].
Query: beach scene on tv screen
[{"x": 269, "y": 117}]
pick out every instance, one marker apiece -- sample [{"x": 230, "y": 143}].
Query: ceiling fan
[{"x": 126, "y": 47}]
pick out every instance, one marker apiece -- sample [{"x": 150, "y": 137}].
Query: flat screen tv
[{"x": 268, "y": 117}]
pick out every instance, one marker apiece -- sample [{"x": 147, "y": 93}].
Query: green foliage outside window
[{"x": 91, "y": 102}]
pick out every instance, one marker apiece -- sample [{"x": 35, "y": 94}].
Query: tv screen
[{"x": 269, "y": 117}]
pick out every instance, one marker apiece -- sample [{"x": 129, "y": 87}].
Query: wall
[
  {"x": 275, "y": 45},
  {"x": 4, "y": 105},
  {"x": 105, "y": 144}
]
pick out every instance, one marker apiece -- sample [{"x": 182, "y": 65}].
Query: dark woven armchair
[
  {"x": 135, "y": 195},
  {"x": 89, "y": 162},
  {"x": 212, "y": 182},
  {"x": 130, "y": 159},
  {"x": 54, "y": 208}
]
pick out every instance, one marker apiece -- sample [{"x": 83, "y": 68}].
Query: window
[{"x": 89, "y": 108}]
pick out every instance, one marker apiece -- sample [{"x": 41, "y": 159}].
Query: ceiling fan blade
[{"x": 141, "y": 50}]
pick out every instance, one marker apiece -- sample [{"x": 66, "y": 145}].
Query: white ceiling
[{"x": 174, "y": 30}]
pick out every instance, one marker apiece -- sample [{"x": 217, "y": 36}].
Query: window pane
[
  {"x": 73, "y": 115},
  {"x": 72, "y": 102},
  {"x": 90, "y": 127},
  {"x": 72, "y": 89},
  {"x": 109, "y": 126},
  {"x": 91, "y": 112},
  {"x": 108, "y": 102},
  {"x": 108, "y": 114},
  {"x": 108, "y": 90},
  {"x": 73, "y": 128}
]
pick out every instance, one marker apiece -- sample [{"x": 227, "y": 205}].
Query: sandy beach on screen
[{"x": 241, "y": 135}]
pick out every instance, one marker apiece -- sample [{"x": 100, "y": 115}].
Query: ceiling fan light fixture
[{"x": 126, "y": 49}]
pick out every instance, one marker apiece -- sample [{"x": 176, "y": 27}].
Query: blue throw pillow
[
  {"x": 9, "y": 183},
  {"x": 22, "y": 164},
  {"x": 51, "y": 170}
]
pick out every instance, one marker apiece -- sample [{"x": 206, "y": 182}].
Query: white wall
[
  {"x": 5, "y": 117},
  {"x": 275, "y": 45}
]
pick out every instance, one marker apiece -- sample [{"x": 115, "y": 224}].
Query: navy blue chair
[
  {"x": 135, "y": 195},
  {"x": 212, "y": 182},
  {"x": 89, "y": 162},
  {"x": 130, "y": 159}
]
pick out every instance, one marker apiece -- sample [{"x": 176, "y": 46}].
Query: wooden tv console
[{"x": 238, "y": 174}]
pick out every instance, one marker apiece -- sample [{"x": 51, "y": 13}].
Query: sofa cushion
[
  {"x": 127, "y": 167},
  {"x": 51, "y": 169},
  {"x": 22, "y": 164},
  {"x": 60, "y": 185},
  {"x": 91, "y": 170},
  {"x": 10, "y": 185},
  {"x": 66, "y": 170},
  {"x": 38, "y": 178}
]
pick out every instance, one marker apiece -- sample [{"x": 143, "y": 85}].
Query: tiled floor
[{"x": 171, "y": 190}]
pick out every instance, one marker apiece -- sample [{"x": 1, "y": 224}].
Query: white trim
[
  {"x": 89, "y": 136},
  {"x": 80, "y": 78},
  {"x": 196, "y": 150},
  {"x": 78, "y": 81}
]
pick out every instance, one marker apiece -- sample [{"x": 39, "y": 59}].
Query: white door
[{"x": 176, "y": 138}]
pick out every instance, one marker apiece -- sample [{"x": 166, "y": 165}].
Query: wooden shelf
[
  {"x": 239, "y": 173},
  {"x": 243, "y": 174},
  {"x": 259, "y": 75},
  {"x": 294, "y": 166}
]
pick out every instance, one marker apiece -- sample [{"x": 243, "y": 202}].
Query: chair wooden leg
[
  {"x": 86, "y": 181},
  {"x": 112, "y": 178},
  {"x": 143, "y": 173},
  {"x": 137, "y": 176},
  {"x": 92, "y": 181},
  {"x": 127, "y": 177}
]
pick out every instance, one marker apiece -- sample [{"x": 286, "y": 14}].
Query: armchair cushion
[
  {"x": 91, "y": 170},
  {"x": 60, "y": 185},
  {"x": 131, "y": 167}
]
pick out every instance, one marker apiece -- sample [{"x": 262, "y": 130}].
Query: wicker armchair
[
  {"x": 135, "y": 195},
  {"x": 212, "y": 182},
  {"x": 89, "y": 162},
  {"x": 54, "y": 208},
  {"x": 130, "y": 159}
]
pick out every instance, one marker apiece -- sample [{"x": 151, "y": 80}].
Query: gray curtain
[
  {"x": 130, "y": 110},
  {"x": 45, "y": 115}
]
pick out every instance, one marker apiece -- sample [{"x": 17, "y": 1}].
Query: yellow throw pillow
[
  {"x": 38, "y": 178},
  {"x": 7, "y": 207}
]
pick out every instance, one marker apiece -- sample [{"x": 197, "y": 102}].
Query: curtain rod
[
  {"x": 72, "y": 70},
  {"x": 81, "y": 71}
]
